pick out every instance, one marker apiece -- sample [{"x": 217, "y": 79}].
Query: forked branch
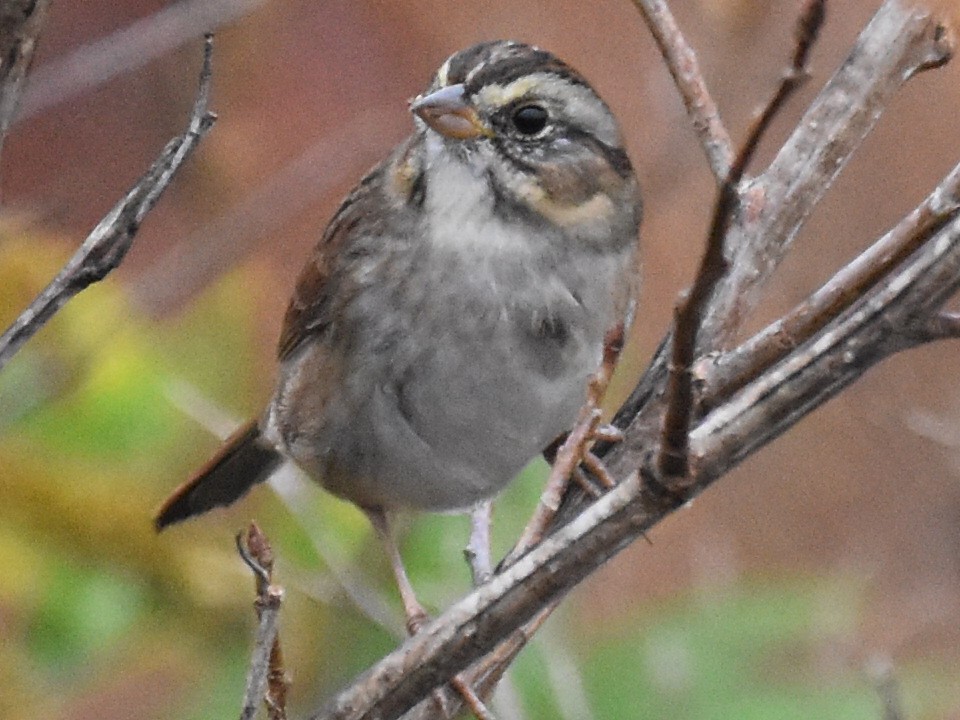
[{"x": 673, "y": 461}]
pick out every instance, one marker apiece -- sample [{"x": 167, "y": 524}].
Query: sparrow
[{"x": 445, "y": 327}]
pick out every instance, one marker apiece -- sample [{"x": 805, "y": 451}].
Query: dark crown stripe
[
  {"x": 466, "y": 60},
  {"x": 505, "y": 71},
  {"x": 503, "y": 62}
]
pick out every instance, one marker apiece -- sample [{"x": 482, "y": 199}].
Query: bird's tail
[{"x": 245, "y": 460}]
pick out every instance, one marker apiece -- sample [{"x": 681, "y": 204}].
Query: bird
[{"x": 444, "y": 329}]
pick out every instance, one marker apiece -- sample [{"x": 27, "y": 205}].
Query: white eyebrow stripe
[{"x": 444, "y": 71}]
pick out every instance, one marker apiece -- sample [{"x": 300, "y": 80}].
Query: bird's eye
[{"x": 530, "y": 119}]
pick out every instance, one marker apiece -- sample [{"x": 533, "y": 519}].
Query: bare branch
[
  {"x": 672, "y": 461},
  {"x": 20, "y": 25},
  {"x": 266, "y": 679},
  {"x": 682, "y": 63},
  {"x": 899, "y": 41},
  {"x": 477, "y": 552},
  {"x": 876, "y": 325},
  {"x": 728, "y": 372},
  {"x": 568, "y": 457},
  {"x": 575, "y": 451},
  {"x": 485, "y": 675},
  {"x": 807, "y": 31},
  {"x": 105, "y": 247}
]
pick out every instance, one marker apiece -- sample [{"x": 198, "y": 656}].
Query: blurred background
[{"x": 782, "y": 592}]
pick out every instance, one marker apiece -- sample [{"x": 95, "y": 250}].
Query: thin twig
[
  {"x": 682, "y": 63},
  {"x": 575, "y": 449},
  {"x": 901, "y": 40},
  {"x": 20, "y": 25},
  {"x": 105, "y": 247},
  {"x": 567, "y": 458},
  {"x": 485, "y": 675},
  {"x": 877, "y": 325},
  {"x": 805, "y": 37},
  {"x": 470, "y": 699},
  {"x": 673, "y": 459},
  {"x": 267, "y": 681}
]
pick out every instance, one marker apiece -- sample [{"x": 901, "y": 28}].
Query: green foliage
[
  {"x": 768, "y": 651},
  {"x": 82, "y": 612},
  {"x": 223, "y": 679}
]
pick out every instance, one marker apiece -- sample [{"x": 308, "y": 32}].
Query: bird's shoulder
[{"x": 381, "y": 207}]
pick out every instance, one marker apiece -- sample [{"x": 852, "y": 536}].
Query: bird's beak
[{"x": 448, "y": 112}]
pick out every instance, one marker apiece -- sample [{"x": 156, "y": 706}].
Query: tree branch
[
  {"x": 266, "y": 680},
  {"x": 728, "y": 372},
  {"x": 105, "y": 247},
  {"x": 900, "y": 41},
  {"x": 682, "y": 63},
  {"x": 20, "y": 25},
  {"x": 672, "y": 460},
  {"x": 877, "y": 325}
]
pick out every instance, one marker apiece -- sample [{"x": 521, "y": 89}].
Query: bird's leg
[
  {"x": 416, "y": 616},
  {"x": 477, "y": 551},
  {"x": 413, "y": 611},
  {"x": 576, "y": 449}
]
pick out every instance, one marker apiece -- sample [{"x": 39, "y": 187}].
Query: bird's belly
[
  {"x": 461, "y": 419},
  {"x": 491, "y": 408}
]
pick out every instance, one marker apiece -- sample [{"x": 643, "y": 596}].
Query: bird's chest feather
[
  {"x": 499, "y": 332},
  {"x": 494, "y": 291}
]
